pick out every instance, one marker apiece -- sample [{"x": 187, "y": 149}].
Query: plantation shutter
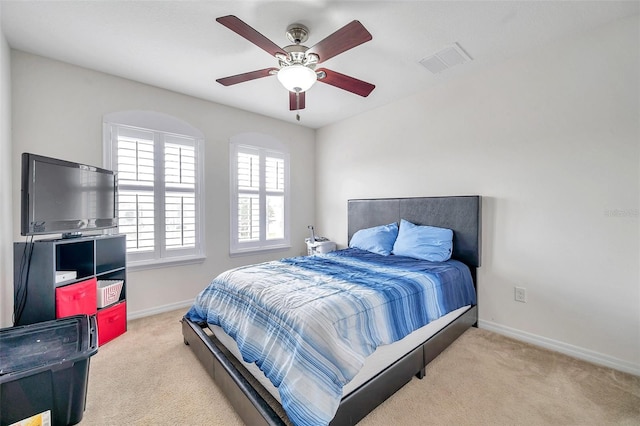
[
  {"x": 248, "y": 195},
  {"x": 136, "y": 172},
  {"x": 274, "y": 189},
  {"x": 180, "y": 187},
  {"x": 259, "y": 201}
]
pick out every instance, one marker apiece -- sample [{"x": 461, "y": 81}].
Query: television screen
[{"x": 63, "y": 197}]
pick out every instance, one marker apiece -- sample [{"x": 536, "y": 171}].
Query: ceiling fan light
[{"x": 297, "y": 78}]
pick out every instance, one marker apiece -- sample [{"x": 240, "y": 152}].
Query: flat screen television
[{"x": 63, "y": 197}]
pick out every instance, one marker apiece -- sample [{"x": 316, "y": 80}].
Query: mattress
[{"x": 380, "y": 359}]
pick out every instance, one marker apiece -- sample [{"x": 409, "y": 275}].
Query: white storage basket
[{"x": 109, "y": 292}]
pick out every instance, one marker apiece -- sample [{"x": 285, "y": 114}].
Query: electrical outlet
[{"x": 520, "y": 294}]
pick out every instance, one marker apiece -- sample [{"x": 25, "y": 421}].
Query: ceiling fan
[{"x": 296, "y": 68}]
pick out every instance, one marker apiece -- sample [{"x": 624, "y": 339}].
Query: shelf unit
[{"x": 92, "y": 258}]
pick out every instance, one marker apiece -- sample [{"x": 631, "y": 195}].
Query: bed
[{"x": 255, "y": 398}]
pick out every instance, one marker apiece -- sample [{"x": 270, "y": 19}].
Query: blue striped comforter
[{"x": 310, "y": 322}]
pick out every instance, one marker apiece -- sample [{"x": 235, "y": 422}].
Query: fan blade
[
  {"x": 347, "y": 37},
  {"x": 345, "y": 82},
  {"x": 296, "y": 101},
  {"x": 240, "y": 78},
  {"x": 243, "y": 29}
]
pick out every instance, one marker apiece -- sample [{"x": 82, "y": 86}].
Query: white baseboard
[
  {"x": 554, "y": 345},
  {"x": 160, "y": 309},
  {"x": 565, "y": 348}
]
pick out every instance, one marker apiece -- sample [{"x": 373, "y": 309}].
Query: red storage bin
[
  {"x": 112, "y": 322},
  {"x": 77, "y": 299}
]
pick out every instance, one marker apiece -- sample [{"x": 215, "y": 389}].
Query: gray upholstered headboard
[{"x": 462, "y": 214}]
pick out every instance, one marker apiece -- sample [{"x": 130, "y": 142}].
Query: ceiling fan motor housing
[{"x": 296, "y": 54}]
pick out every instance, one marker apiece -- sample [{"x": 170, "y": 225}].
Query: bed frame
[{"x": 462, "y": 214}]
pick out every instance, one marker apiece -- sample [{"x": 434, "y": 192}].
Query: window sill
[
  {"x": 141, "y": 265},
  {"x": 253, "y": 251}
]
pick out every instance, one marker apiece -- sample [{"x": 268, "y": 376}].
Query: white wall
[
  {"x": 6, "y": 223},
  {"x": 58, "y": 110},
  {"x": 551, "y": 141}
]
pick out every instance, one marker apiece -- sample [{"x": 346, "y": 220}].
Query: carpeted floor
[{"x": 149, "y": 377}]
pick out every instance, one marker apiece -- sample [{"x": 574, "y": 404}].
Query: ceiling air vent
[{"x": 448, "y": 57}]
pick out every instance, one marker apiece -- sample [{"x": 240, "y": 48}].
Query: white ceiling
[{"x": 178, "y": 45}]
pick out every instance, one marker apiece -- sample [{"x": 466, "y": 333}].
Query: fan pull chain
[{"x": 298, "y": 104}]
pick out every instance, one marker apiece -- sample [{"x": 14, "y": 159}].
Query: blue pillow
[
  {"x": 378, "y": 239},
  {"x": 423, "y": 242}
]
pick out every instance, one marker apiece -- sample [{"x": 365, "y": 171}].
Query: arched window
[
  {"x": 158, "y": 159},
  {"x": 259, "y": 193}
]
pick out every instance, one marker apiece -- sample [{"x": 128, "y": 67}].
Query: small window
[
  {"x": 159, "y": 186},
  {"x": 259, "y": 194}
]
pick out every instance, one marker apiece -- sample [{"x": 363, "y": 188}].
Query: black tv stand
[{"x": 54, "y": 277}]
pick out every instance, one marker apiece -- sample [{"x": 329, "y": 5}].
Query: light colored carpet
[{"x": 149, "y": 377}]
